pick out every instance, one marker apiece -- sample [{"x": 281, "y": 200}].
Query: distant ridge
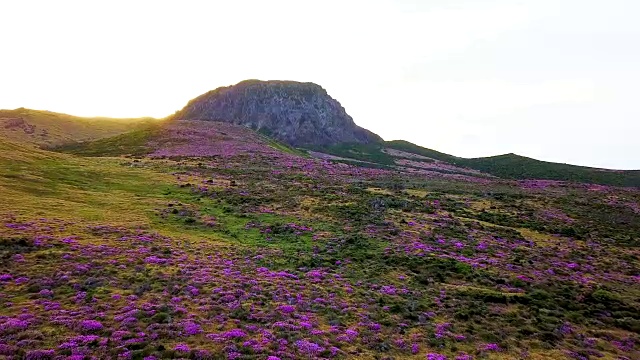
[
  {"x": 299, "y": 114},
  {"x": 47, "y": 128},
  {"x": 507, "y": 166}
]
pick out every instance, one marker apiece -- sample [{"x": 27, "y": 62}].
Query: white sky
[{"x": 556, "y": 80}]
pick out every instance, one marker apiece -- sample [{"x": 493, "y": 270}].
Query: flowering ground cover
[{"x": 213, "y": 242}]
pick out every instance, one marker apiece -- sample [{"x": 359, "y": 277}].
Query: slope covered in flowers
[{"x": 215, "y": 243}]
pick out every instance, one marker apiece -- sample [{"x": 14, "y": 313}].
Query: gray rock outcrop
[{"x": 299, "y": 114}]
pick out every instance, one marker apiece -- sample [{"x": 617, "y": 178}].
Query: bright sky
[{"x": 556, "y": 80}]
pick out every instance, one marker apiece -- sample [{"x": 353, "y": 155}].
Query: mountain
[
  {"x": 299, "y": 114},
  {"x": 304, "y": 115},
  {"x": 131, "y": 136},
  {"x": 46, "y": 128}
]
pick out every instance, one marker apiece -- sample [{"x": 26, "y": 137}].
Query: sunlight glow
[{"x": 547, "y": 79}]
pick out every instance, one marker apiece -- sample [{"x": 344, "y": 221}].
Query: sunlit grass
[{"x": 36, "y": 182}]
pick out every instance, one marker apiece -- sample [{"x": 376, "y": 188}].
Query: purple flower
[
  {"x": 91, "y": 325},
  {"x": 308, "y": 347},
  {"x": 625, "y": 344},
  {"x": 13, "y": 324},
  {"x": 334, "y": 350},
  {"x": 287, "y": 309},
  {"x": 305, "y": 324},
  {"x": 235, "y": 333},
  {"x": 464, "y": 356},
  {"x": 182, "y": 347},
  {"x": 389, "y": 290},
  {"x": 351, "y": 333},
  {"x": 315, "y": 274},
  {"x": 491, "y": 347},
  {"x": 7, "y": 350},
  {"x": 434, "y": 356},
  {"x": 155, "y": 260},
  {"x": 203, "y": 354},
  {"x": 191, "y": 328},
  {"x": 46, "y": 293},
  {"x": 6, "y": 277},
  {"x": 566, "y": 329},
  {"x": 39, "y": 355},
  {"x": 193, "y": 290}
]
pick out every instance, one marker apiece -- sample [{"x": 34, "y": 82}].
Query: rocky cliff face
[{"x": 300, "y": 114}]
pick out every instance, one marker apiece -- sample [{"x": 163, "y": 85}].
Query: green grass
[
  {"x": 46, "y": 128},
  {"x": 363, "y": 236},
  {"x": 415, "y": 149},
  {"x": 362, "y": 152},
  {"x": 282, "y": 147},
  {"x": 130, "y": 143},
  {"x": 58, "y": 185},
  {"x": 230, "y": 222},
  {"x": 508, "y": 166},
  {"x": 512, "y": 166}
]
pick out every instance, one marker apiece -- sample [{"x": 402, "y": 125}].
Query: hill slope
[
  {"x": 508, "y": 166},
  {"x": 215, "y": 243},
  {"x": 49, "y": 129},
  {"x": 512, "y": 166},
  {"x": 304, "y": 115},
  {"x": 292, "y": 112},
  {"x": 183, "y": 138},
  {"x": 46, "y": 128}
]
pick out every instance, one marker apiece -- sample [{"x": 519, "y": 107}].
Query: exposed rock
[
  {"x": 10, "y": 123},
  {"x": 19, "y": 123},
  {"x": 300, "y": 114}
]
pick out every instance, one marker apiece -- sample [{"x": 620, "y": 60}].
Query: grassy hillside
[
  {"x": 45, "y": 128},
  {"x": 132, "y": 143},
  {"x": 362, "y": 152},
  {"x": 509, "y": 166},
  {"x": 192, "y": 137},
  {"x": 217, "y": 245},
  {"x": 49, "y": 129},
  {"x": 415, "y": 149},
  {"x": 512, "y": 166},
  {"x": 41, "y": 184}
]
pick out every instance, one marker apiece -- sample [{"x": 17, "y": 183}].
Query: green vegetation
[
  {"x": 212, "y": 243},
  {"x": 134, "y": 143},
  {"x": 46, "y": 128},
  {"x": 415, "y": 149},
  {"x": 362, "y": 152},
  {"x": 509, "y": 166},
  {"x": 282, "y": 147},
  {"x": 513, "y": 166}
]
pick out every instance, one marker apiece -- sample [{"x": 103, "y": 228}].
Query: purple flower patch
[{"x": 91, "y": 325}]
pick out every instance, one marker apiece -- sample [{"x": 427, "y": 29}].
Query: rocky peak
[{"x": 300, "y": 114}]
